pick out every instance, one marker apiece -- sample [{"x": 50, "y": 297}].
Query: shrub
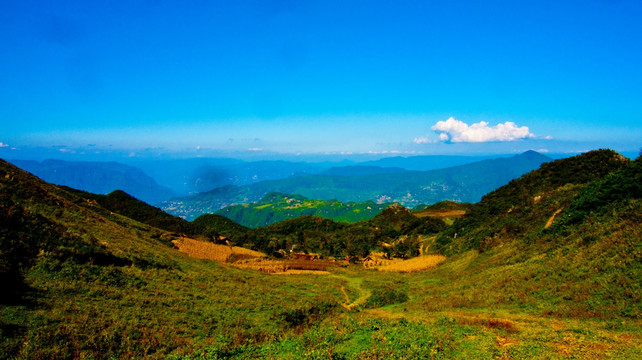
[
  {"x": 387, "y": 294},
  {"x": 305, "y": 315}
]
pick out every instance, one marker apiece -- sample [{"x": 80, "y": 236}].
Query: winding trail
[
  {"x": 550, "y": 221},
  {"x": 355, "y": 283}
]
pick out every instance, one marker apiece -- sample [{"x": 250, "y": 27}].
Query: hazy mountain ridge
[
  {"x": 194, "y": 175},
  {"x": 464, "y": 183},
  {"x": 98, "y": 177},
  {"x": 361, "y": 170},
  {"x": 427, "y": 162}
]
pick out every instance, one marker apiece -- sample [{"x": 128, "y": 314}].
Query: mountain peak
[
  {"x": 397, "y": 208},
  {"x": 534, "y": 155},
  {"x": 394, "y": 213}
]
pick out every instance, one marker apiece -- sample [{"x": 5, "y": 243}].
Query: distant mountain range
[
  {"x": 98, "y": 177},
  {"x": 156, "y": 180},
  {"x": 464, "y": 183},
  {"x": 427, "y": 162},
  {"x": 191, "y": 176},
  {"x": 361, "y": 170}
]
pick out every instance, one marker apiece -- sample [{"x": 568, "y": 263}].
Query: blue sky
[{"x": 143, "y": 78}]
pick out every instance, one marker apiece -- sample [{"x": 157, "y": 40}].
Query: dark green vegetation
[
  {"x": 522, "y": 281},
  {"x": 98, "y": 177},
  {"x": 464, "y": 183},
  {"x": 326, "y": 237},
  {"x": 275, "y": 207},
  {"x": 220, "y": 224}
]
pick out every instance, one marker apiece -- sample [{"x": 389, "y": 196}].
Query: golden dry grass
[
  {"x": 206, "y": 250},
  {"x": 440, "y": 213},
  {"x": 250, "y": 259},
  {"x": 416, "y": 264},
  {"x": 291, "y": 266},
  {"x": 265, "y": 265}
]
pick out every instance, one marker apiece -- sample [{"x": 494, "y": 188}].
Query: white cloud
[
  {"x": 3, "y": 145},
  {"x": 423, "y": 140},
  {"x": 458, "y": 131},
  {"x": 254, "y": 149}
]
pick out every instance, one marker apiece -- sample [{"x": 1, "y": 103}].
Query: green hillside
[
  {"x": 220, "y": 224},
  {"x": 464, "y": 183},
  {"x": 275, "y": 207},
  {"x": 87, "y": 282},
  {"x": 524, "y": 205},
  {"x": 567, "y": 234}
]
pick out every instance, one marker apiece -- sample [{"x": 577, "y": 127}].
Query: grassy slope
[
  {"x": 124, "y": 204},
  {"x": 524, "y": 205}
]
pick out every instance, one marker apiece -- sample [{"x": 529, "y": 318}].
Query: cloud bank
[{"x": 456, "y": 131}]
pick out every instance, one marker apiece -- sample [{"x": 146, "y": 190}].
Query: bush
[
  {"x": 387, "y": 294},
  {"x": 305, "y": 315}
]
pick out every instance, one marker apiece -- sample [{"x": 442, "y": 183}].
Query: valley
[{"x": 547, "y": 265}]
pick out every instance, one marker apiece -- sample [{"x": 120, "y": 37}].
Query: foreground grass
[
  {"x": 205, "y": 310},
  {"x": 89, "y": 311}
]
